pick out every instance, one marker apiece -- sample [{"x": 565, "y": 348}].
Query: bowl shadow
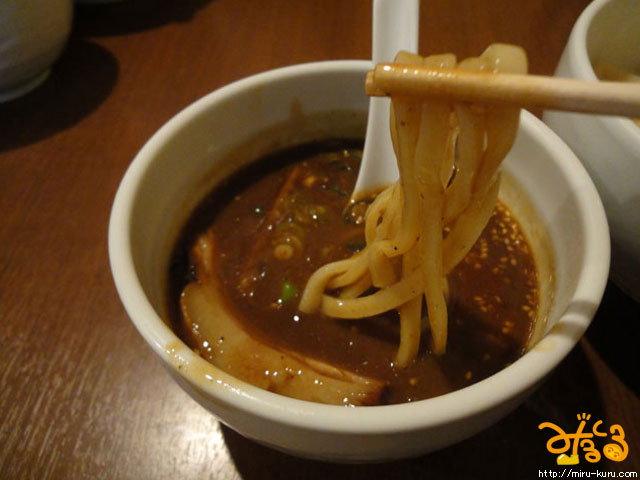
[
  {"x": 132, "y": 16},
  {"x": 615, "y": 335},
  {"x": 79, "y": 82}
]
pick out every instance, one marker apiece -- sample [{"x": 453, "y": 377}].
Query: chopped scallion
[{"x": 288, "y": 291}]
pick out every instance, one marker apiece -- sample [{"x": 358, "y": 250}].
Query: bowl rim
[
  {"x": 624, "y": 129},
  {"x": 523, "y": 374}
]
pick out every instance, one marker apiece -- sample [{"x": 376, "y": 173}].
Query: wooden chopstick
[{"x": 534, "y": 91}]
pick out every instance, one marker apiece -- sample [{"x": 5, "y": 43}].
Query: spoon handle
[{"x": 395, "y": 27}]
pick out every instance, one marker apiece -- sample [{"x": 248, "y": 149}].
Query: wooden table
[{"x": 81, "y": 395}]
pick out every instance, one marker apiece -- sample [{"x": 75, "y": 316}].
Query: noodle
[{"x": 418, "y": 229}]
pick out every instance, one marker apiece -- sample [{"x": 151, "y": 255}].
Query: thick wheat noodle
[
  {"x": 502, "y": 127},
  {"x": 310, "y": 300},
  {"x": 353, "y": 270},
  {"x": 357, "y": 288},
  {"x": 385, "y": 299},
  {"x": 430, "y": 151},
  {"x": 397, "y": 294},
  {"x": 410, "y": 316},
  {"x": 388, "y": 224},
  {"x": 407, "y": 220},
  {"x": 449, "y": 164},
  {"x": 382, "y": 269},
  {"x": 469, "y": 152},
  {"x": 407, "y": 116},
  {"x": 375, "y": 212},
  {"x": 469, "y": 225}
]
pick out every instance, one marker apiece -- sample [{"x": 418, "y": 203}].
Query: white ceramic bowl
[
  {"x": 186, "y": 157},
  {"x": 609, "y": 147},
  {"x": 32, "y": 36}
]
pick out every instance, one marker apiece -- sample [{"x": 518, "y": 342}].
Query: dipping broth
[{"x": 278, "y": 220}]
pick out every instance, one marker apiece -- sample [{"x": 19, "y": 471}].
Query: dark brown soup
[{"x": 277, "y": 221}]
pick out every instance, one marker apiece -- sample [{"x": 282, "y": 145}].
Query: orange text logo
[{"x": 616, "y": 450}]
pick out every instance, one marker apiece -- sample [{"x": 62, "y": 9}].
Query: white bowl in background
[
  {"x": 33, "y": 34},
  {"x": 190, "y": 153},
  {"x": 609, "y": 147}
]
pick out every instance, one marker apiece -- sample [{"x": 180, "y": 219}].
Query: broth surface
[{"x": 278, "y": 220}]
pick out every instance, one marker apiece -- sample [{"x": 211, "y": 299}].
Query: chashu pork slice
[{"x": 223, "y": 341}]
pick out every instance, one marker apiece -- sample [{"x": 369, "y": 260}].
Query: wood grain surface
[{"x": 81, "y": 395}]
